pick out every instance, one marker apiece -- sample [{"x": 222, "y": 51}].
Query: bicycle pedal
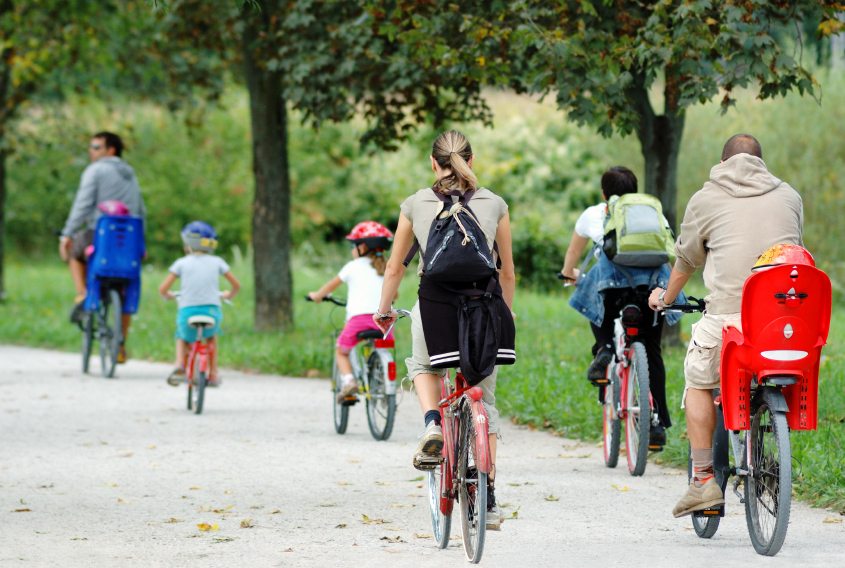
[
  {"x": 427, "y": 462},
  {"x": 711, "y": 512},
  {"x": 655, "y": 448},
  {"x": 349, "y": 401},
  {"x": 603, "y": 382}
]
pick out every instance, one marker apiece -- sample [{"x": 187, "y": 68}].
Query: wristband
[
  {"x": 662, "y": 298},
  {"x": 386, "y": 315}
]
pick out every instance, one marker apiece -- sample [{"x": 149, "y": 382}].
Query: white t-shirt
[
  {"x": 200, "y": 279},
  {"x": 591, "y": 222},
  {"x": 364, "y": 285}
]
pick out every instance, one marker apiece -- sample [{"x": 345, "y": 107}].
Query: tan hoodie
[{"x": 739, "y": 213}]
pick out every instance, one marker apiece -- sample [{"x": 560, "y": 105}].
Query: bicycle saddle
[
  {"x": 370, "y": 334},
  {"x": 201, "y": 321}
]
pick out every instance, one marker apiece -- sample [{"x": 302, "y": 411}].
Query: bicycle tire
[
  {"x": 768, "y": 485},
  {"x": 472, "y": 492},
  {"x": 381, "y": 407},
  {"x": 340, "y": 412},
  {"x": 441, "y": 524},
  {"x": 201, "y": 381},
  {"x": 110, "y": 332},
  {"x": 88, "y": 340},
  {"x": 611, "y": 425},
  {"x": 636, "y": 429},
  {"x": 706, "y": 527}
]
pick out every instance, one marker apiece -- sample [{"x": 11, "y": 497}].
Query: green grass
[{"x": 546, "y": 388}]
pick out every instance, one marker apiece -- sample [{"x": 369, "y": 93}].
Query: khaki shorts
[
  {"x": 80, "y": 241},
  {"x": 419, "y": 363},
  {"x": 701, "y": 365}
]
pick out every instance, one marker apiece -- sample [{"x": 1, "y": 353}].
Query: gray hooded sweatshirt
[
  {"x": 738, "y": 214},
  {"x": 107, "y": 178}
]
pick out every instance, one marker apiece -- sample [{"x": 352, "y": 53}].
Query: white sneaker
[
  {"x": 348, "y": 390},
  {"x": 429, "y": 448}
]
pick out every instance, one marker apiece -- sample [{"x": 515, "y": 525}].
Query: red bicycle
[
  {"x": 200, "y": 355},
  {"x": 461, "y": 472}
]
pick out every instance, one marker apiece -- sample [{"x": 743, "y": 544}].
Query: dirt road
[{"x": 97, "y": 472}]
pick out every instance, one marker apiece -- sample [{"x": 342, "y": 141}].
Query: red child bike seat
[{"x": 785, "y": 322}]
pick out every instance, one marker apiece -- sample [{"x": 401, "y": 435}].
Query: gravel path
[{"x": 97, "y": 472}]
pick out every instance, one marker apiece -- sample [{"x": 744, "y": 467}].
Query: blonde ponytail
[{"x": 452, "y": 151}]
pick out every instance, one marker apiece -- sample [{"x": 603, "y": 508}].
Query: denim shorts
[{"x": 189, "y": 334}]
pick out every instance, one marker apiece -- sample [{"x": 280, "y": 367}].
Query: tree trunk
[
  {"x": 271, "y": 206},
  {"x": 2, "y": 217},
  {"x": 660, "y": 143}
]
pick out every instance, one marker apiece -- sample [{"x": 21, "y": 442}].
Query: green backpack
[{"x": 636, "y": 233}]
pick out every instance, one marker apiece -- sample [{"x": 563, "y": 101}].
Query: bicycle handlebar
[
  {"x": 329, "y": 298},
  {"x": 694, "y": 305}
]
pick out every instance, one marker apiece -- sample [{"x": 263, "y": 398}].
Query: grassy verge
[{"x": 546, "y": 389}]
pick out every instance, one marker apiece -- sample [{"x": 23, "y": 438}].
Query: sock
[
  {"x": 432, "y": 416},
  {"x": 347, "y": 378},
  {"x": 702, "y": 464}
]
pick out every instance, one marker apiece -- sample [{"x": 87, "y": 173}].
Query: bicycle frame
[{"x": 202, "y": 350}]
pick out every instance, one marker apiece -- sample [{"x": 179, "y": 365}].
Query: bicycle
[
  {"x": 375, "y": 370},
  {"x": 625, "y": 392},
  {"x": 769, "y": 382},
  {"x": 461, "y": 472},
  {"x": 113, "y": 283}
]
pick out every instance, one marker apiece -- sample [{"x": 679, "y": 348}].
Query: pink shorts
[{"x": 349, "y": 336}]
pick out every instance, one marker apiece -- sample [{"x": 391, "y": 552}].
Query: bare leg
[
  {"x": 212, "y": 360},
  {"x": 491, "y": 441},
  {"x": 701, "y": 418},
  {"x": 181, "y": 353},
  {"x": 428, "y": 391},
  {"x": 344, "y": 365},
  {"x": 126, "y": 321},
  {"x": 78, "y": 273}
]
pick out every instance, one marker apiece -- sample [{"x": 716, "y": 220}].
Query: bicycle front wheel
[
  {"x": 339, "y": 411},
  {"x": 472, "y": 491},
  {"x": 88, "y": 330},
  {"x": 611, "y": 425},
  {"x": 768, "y": 485},
  {"x": 638, "y": 414},
  {"x": 381, "y": 407},
  {"x": 441, "y": 523},
  {"x": 110, "y": 332}
]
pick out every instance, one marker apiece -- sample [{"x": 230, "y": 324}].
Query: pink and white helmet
[{"x": 114, "y": 207}]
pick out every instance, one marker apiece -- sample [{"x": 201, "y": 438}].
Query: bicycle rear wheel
[
  {"x": 339, "y": 411},
  {"x": 88, "y": 330},
  {"x": 611, "y": 424},
  {"x": 768, "y": 485},
  {"x": 638, "y": 413},
  {"x": 706, "y": 526},
  {"x": 381, "y": 407},
  {"x": 110, "y": 331},
  {"x": 441, "y": 523},
  {"x": 472, "y": 490}
]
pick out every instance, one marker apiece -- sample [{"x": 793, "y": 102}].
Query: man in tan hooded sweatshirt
[{"x": 738, "y": 214}]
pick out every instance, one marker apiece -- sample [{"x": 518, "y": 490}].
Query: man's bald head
[{"x": 741, "y": 144}]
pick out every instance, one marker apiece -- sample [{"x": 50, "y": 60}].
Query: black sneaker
[
  {"x": 656, "y": 437},
  {"x": 77, "y": 314},
  {"x": 494, "y": 516},
  {"x": 597, "y": 371}
]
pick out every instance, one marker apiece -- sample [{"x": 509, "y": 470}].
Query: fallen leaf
[
  {"x": 551, "y": 498},
  {"x": 328, "y": 504},
  {"x": 173, "y": 520},
  {"x": 220, "y": 511},
  {"x": 832, "y": 520},
  {"x": 24, "y": 510},
  {"x": 151, "y": 447},
  {"x": 194, "y": 488},
  {"x": 275, "y": 511},
  {"x": 288, "y": 550},
  {"x": 368, "y": 521},
  {"x": 205, "y": 527},
  {"x": 422, "y": 535},
  {"x": 247, "y": 524},
  {"x": 515, "y": 514},
  {"x": 126, "y": 455},
  {"x": 79, "y": 538},
  {"x": 394, "y": 539},
  {"x": 621, "y": 488},
  {"x": 223, "y": 539},
  {"x": 343, "y": 483},
  {"x": 340, "y": 526},
  {"x": 414, "y": 480},
  {"x": 382, "y": 483}
]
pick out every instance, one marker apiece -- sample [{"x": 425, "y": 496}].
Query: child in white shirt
[{"x": 364, "y": 276}]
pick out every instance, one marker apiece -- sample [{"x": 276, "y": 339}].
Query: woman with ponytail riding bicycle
[{"x": 364, "y": 276}]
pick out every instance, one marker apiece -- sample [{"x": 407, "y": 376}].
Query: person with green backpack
[{"x": 633, "y": 246}]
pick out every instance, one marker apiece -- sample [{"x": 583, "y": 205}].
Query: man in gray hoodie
[
  {"x": 738, "y": 214},
  {"x": 106, "y": 178}
]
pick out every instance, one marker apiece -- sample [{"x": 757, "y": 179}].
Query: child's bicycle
[
  {"x": 375, "y": 370},
  {"x": 625, "y": 394},
  {"x": 769, "y": 386},
  {"x": 200, "y": 355},
  {"x": 113, "y": 288},
  {"x": 461, "y": 472}
]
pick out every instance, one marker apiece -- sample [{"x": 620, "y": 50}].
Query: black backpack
[{"x": 456, "y": 250}]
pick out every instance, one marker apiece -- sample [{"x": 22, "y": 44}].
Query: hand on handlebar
[
  {"x": 312, "y": 296},
  {"x": 654, "y": 301},
  {"x": 385, "y": 323}
]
